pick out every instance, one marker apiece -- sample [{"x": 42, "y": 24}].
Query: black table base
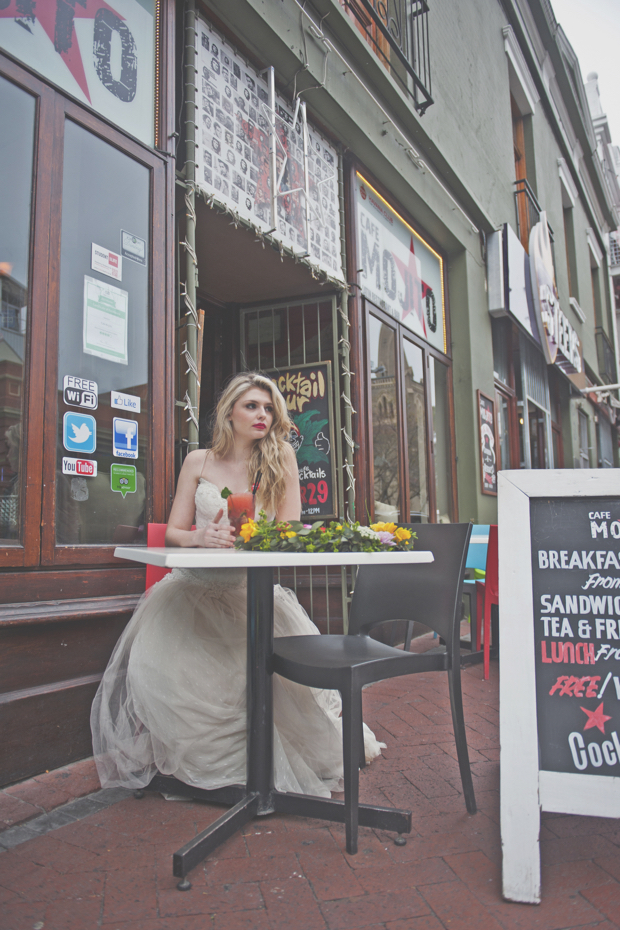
[{"x": 258, "y": 797}]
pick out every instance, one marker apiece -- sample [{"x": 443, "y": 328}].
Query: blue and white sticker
[
  {"x": 79, "y": 433},
  {"x": 129, "y": 403},
  {"x": 125, "y": 438}
]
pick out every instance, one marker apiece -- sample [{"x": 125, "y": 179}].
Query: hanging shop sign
[
  {"x": 488, "y": 458},
  {"x": 248, "y": 148},
  {"x": 307, "y": 390},
  {"x": 559, "y": 340},
  {"x": 523, "y": 286},
  {"x": 559, "y": 584},
  {"x": 399, "y": 271},
  {"x": 100, "y": 53}
]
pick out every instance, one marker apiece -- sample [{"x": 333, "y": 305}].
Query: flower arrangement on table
[{"x": 265, "y": 535}]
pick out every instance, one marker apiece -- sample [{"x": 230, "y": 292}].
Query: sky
[{"x": 593, "y": 29}]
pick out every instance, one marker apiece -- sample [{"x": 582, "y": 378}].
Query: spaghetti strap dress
[{"x": 173, "y": 697}]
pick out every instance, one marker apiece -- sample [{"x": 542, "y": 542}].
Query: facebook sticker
[
  {"x": 79, "y": 432},
  {"x": 125, "y": 438}
]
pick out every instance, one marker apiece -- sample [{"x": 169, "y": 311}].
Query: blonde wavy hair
[{"x": 269, "y": 454}]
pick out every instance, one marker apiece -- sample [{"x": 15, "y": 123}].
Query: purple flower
[
  {"x": 307, "y": 526},
  {"x": 386, "y": 538}
]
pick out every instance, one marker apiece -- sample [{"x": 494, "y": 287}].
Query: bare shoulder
[{"x": 194, "y": 463}]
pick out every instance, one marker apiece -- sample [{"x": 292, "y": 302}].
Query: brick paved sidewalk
[{"x": 112, "y": 868}]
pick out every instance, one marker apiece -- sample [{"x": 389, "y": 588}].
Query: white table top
[{"x": 174, "y": 557}]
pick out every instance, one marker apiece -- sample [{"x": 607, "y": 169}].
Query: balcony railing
[
  {"x": 614, "y": 250},
  {"x": 398, "y": 32},
  {"x": 528, "y": 212},
  {"x": 606, "y": 357}
]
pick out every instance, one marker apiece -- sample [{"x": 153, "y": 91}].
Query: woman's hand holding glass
[{"x": 215, "y": 535}]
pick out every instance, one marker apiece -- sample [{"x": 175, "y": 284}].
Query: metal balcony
[
  {"x": 398, "y": 32},
  {"x": 528, "y": 212}
]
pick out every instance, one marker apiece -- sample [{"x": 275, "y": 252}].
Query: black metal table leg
[
  {"x": 259, "y": 797},
  {"x": 259, "y": 687}
]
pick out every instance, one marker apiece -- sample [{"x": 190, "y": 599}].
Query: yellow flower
[
  {"x": 290, "y": 534},
  {"x": 402, "y": 534},
  {"x": 248, "y": 530},
  {"x": 339, "y": 527},
  {"x": 383, "y": 527}
]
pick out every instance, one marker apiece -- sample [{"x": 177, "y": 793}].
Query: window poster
[
  {"x": 307, "y": 391},
  {"x": 105, "y": 321},
  {"x": 233, "y": 161},
  {"x": 488, "y": 456},
  {"x": 399, "y": 271},
  {"x": 101, "y": 53}
]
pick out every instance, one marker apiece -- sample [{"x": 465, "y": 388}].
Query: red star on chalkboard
[{"x": 596, "y": 718}]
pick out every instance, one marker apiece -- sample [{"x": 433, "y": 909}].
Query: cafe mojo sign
[
  {"x": 400, "y": 272},
  {"x": 559, "y": 603},
  {"x": 101, "y": 53}
]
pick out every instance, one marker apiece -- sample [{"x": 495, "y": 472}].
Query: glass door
[{"x": 409, "y": 426}]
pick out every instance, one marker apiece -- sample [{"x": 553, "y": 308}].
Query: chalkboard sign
[
  {"x": 488, "y": 455},
  {"x": 559, "y": 621},
  {"x": 307, "y": 390},
  {"x": 576, "y": 586}
]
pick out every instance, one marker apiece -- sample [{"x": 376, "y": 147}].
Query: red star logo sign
[
  {"x": 57, "y": 21},
  {"x": 413, "y": 287},
  {"x": 596, "y": 718}
]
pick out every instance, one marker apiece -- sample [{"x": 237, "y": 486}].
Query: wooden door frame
[
  {"x": 33, "y": 384},
  {"x": 51, "y": 553}
]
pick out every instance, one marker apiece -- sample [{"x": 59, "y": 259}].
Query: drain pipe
[
  {"x": 345, "y": 354},
  {"x": 191, "y": 263}
]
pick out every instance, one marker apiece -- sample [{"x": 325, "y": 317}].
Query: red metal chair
[
  {"x": 487, "y": 594},
  {"x": 155, "y": 536}
]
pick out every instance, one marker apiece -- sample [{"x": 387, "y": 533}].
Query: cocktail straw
[{"x": 256, "y": 484}]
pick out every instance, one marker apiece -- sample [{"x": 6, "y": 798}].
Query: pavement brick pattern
[{"x": 112, "y": 868}]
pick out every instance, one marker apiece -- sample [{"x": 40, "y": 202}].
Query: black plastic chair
[{"x": 428, "y": 593}]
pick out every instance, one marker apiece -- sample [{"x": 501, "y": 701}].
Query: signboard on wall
[
  {"x": 400, "y": 272},
  {"x": 559, "y": 578},
  {"x": 233, "y": 162},
  {"x": 307, "y": 390},
  {"x": 488, "y": 445},
  {"x": 101, "y": 53}
]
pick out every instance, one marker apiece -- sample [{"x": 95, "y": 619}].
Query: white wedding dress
[{"x": 172, "y": 699}]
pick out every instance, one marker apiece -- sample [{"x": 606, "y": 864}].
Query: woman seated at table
[{"x": 172, "y": 698}]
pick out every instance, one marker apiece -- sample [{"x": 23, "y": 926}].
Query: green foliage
[{"x": 267, "y": 536}]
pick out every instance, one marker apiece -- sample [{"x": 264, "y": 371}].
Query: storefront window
[
  {"x": 441, "y": 438},
  {"x": 382, "y": 350},
  {"x": 415, "y": 407},
  {"x": 103, "y": 354},
  {"x": 16, "y": 163}
]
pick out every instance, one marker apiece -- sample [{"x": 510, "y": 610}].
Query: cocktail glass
[{"x": 240, "y": 509}]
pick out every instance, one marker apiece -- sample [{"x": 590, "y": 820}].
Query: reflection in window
[
  {"x": 416, "y": 432},
  {"x": 441, "y": 438},
  {"x": 382, "y": 351},
  {"x": 103, "y": 338},
  {"x": 16, "y": 154}
]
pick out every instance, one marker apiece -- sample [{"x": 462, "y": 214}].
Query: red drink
[{"x": 240, "y": 509}]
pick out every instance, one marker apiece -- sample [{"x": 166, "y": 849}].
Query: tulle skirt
[{"x": 173, "y": 697}]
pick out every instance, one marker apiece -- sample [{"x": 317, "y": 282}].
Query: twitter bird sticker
[{"x": 79, "y": 433}]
